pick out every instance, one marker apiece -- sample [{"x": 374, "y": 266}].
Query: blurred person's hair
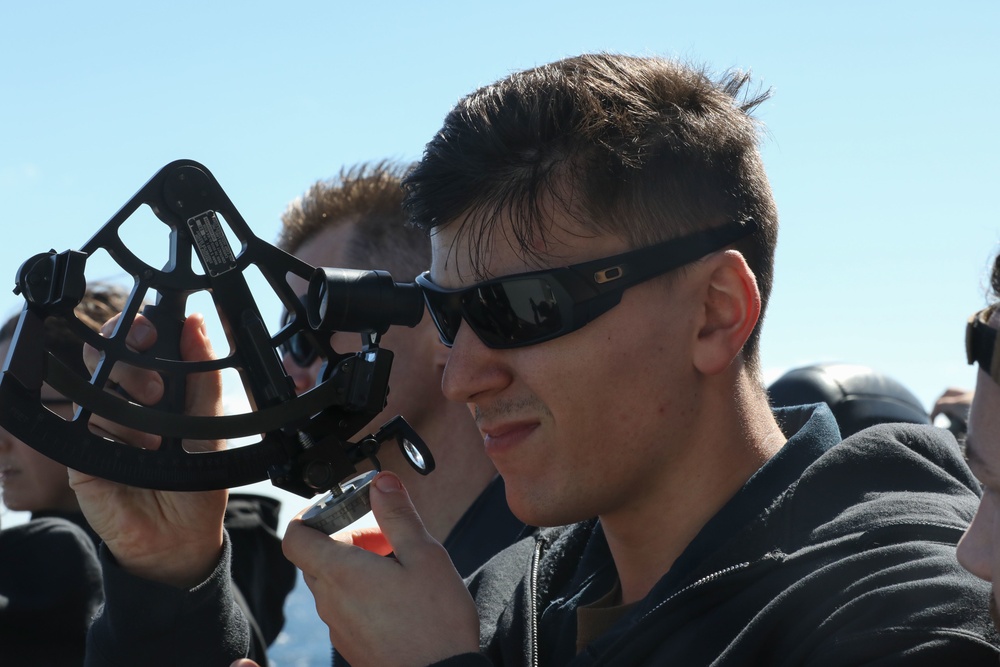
[
  {"x": 644, "y": 148},
  {"x": 368, "y": 197}
]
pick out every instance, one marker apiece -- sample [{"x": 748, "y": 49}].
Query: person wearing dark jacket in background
[
  {"x": 979, "y": 550},
  {"x": 50, "y": 590},
  {"x": 620, "y": 398}
]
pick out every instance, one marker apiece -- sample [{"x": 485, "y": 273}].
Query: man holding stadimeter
[{"x": 603, "y": 238}]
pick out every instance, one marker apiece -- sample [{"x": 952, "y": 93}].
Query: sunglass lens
[
  {"x": 298, "y": 347},
  {"x": 302, "y": 351},
  {"x": 513, "y": 312},
  {"x": 446, "y": 311}
]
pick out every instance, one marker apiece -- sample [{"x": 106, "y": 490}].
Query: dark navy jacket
[{"x": 833, "y": 553}]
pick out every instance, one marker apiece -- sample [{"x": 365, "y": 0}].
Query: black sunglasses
[
  {"x": 529, "y": 308},
  {"x": 298, "y": 347},
  {"x": 982, "y": 344}
]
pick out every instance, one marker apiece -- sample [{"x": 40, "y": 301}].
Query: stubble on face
[{"x": 503, "y": 408}]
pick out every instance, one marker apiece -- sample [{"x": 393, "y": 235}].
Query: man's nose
[
  {"x": 473, "y": 368},
  {"x": 304, "y": 378}
]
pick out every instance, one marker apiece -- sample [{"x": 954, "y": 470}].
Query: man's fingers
[
  {"x": 129, "y": 382},
  {"x": 91, "y": 356},
  {"x": 366, "y": 598},
  {"x": 398, "y": 520},
  {"x": 140, "y": 385},
  {"x": 146, "y": 387},
  {"x": 399, "y": 528}
]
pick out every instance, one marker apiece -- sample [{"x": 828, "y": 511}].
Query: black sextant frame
[{"x": 303, "y": 442}]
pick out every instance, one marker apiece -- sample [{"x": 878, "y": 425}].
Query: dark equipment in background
[{"x": 858, "y": 396}]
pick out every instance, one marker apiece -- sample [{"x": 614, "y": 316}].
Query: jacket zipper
[
  {"x": 700, "y": 582},
  {"x": 533, "y": 601},
  {"x": 533, "y": 598}
]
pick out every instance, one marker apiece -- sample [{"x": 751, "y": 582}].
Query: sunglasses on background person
[
  {"x": 529, "y": 308},
  {"x": 982, "y": 344},
  {"x": 302, "y": 352}
]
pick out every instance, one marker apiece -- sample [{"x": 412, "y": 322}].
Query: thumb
[
  {"x": 396, "y": 517},
  {"x": 243, "y": 662},
  {"x": 196, "y": 346},
  {"x": 204, "y": 390}
]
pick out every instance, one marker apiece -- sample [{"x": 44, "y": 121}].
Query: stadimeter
[{"x": 307, "y": 444}]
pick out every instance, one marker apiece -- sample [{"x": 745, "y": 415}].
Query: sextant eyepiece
[{"x": 356, "y": 300}]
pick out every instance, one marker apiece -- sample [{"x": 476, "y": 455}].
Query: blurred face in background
[
  {"x": 979, "y": 549},
  {"x": 32, "y": 482},
  {"x": 415, "y": 378}
]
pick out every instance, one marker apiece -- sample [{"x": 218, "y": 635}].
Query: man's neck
[{"x": 648, "y": 535}]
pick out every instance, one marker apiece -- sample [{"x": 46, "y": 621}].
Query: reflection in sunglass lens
[{"x": 513, "y": 311}]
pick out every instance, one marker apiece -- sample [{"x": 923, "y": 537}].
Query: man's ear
[{"x": 731, "y": 309}]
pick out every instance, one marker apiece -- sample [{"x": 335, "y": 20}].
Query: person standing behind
[
  {"x": 50, "y": 579},
  {"x": 50, "y": 589},
  {"x": 979, "y": 550},
  {"x": 31, "y": 481},
  {"x": 356, "y": 221}
]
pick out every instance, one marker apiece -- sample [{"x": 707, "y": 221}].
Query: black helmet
[{"x": 858, "y": 396}]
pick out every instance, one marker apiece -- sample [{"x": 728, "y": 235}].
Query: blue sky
[{"x": 881, "y": 139}]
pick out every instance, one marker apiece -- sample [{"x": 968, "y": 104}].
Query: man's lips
[{"x": 498, "y": 437}]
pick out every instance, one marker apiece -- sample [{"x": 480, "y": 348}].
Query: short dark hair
[
  {"x": 100, "y": 303},
  {"x": 645, "y": 148},
  {"x": 369, "y": 197}
]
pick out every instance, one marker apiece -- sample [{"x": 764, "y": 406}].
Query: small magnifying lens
[{"x": 413, "y": 454}]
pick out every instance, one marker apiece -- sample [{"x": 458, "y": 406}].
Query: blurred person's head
[
  {"x": 31, "y": 481},
  {"x": 352, "y": 221},
  {"x": 979, "y": 550},
  {"x": 356, "y": 221}
]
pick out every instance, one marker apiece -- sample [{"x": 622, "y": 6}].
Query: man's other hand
[
  {"x": 170, "y": 537},
  {"x": 408, "y": 609}
]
